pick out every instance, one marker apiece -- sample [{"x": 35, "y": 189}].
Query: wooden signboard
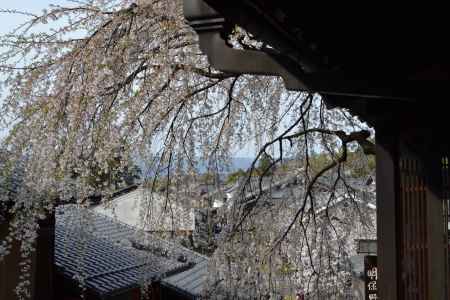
[{"x": 371, "y": 277}]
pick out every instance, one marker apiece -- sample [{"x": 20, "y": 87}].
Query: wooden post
[
  {"x": 45, "y": 245},
  {"x": 437, "y": 239},
  {"x": 412, "y": 234},
  {"x": 387, "y": 191},
  {"x": 9, "y": 267}
]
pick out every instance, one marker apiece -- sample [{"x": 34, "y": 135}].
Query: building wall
[
  {"x": 132, "y": 208},
  {"x": 358, "y": 289}
]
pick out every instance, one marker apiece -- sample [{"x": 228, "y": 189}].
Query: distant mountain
[
  {"x": 241, "y": 163},
  {"x": 236, "y": 163}
]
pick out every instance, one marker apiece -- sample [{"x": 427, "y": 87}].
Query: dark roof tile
[{"x": 105, "y": 266}]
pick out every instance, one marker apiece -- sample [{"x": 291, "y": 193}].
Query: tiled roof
[
  {"x": 13, "y": 181},
  {"x": 123, "y": 234},
  {"x": 84, "y": 244},
  {"x": 9, "y": 184},
  {"x": 191, "y": 281}
]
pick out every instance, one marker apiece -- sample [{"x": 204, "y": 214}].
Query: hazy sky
[{"x": 9, "y": 21}]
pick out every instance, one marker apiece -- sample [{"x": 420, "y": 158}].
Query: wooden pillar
[
  {"x": 437, "y": 237},
  {"x": 44, "y": 268},
  {"x": 156, "y": 290},
  {"x": 412, "y": 234},
  {"x": 387, "y": 193},
  {"x": 9, "y": 266}
]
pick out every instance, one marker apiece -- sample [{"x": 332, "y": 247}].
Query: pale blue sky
[{"x": 9, "y": 21}]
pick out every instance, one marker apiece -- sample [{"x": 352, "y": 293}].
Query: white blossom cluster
[
  {"x": 112, "y": 82},
  {"x": 313, "y": 258}
]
